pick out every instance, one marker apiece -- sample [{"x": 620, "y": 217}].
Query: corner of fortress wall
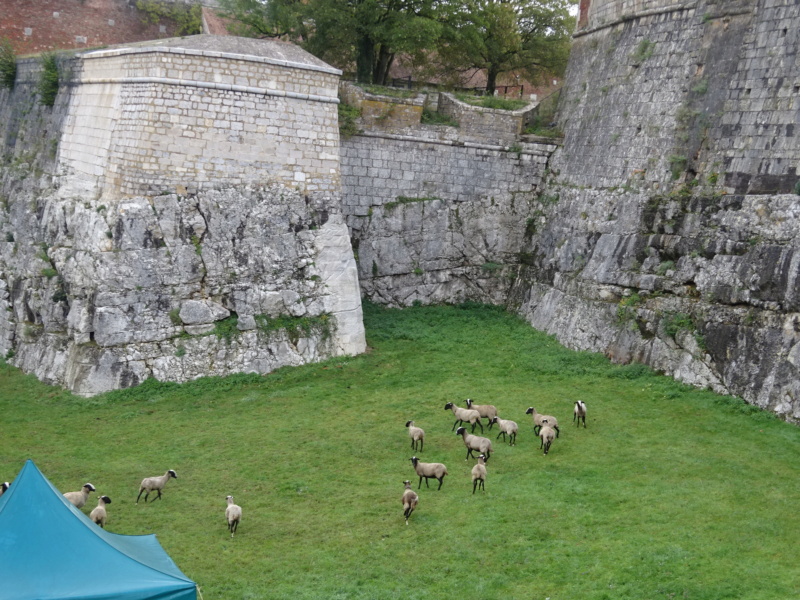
[
  {"x": 186, "y": 198},
  {"x": 674, "y": 241}
]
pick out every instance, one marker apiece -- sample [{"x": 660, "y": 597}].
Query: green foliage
[
  {"x": 495, "y": 102},
  {"x": 406, "y": 200},
  {"x": 188, "y": 18},
  {"x": 701, "y": 87},
  {"x": 677, "y": 165},
  {"x": 626, "y": 305},
  {"x": 180, "y": 351},
  {"x": 8, "y": 64},
  {"x": 647, "y": 502},
  {"x": 49, "y": 272},
  {"x": 677, "y": 321},
  {"x": 384, "y": 90},
  {"x": 643, "y": 51},
  {"x": 543, "y": 119},
  {"x": 348, "y": 120},
  {"x": 491, "y": 267},
  {"x": 296, "y": 327},
  {"x": 500, "y": 37},
  {"x": 430, "y": 117},
  {"x": 797, "y": 188},
  {"x": 227, "y": 329},
  {"x": 665, "y": 266},
  {"x": 175, "y": 316},
  {"x": 49, "y": 79}
]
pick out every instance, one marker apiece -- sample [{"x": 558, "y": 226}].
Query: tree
[
  {"x": 498, "y": 36},
  {"x": 367, "y": 34}
]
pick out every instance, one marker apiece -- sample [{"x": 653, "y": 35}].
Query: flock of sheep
[
  {"x": 99, "y": 515},
  {"x": 544, "y": 426}
]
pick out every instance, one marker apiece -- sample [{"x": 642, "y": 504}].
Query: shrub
[
  {"x": 188, "y": 18},
  {"x": 49, "y": 79},
  {"x": 430, "y": 117},
  {"x": 8, "y": 64},
  {"x": 348, "y": 116},
  {"x": 675, "y": 322}
]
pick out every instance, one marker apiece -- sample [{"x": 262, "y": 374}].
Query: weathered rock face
[
  {"x": 248, "y": 267},
  {"x": 674, "y": 240}
]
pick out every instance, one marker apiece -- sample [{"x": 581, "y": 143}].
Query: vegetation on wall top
[{"x": 8, "y": 64}]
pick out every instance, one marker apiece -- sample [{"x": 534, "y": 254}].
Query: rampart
[
  {"x": 177, "y": 213},
  {"x": 674, "y": 240}
]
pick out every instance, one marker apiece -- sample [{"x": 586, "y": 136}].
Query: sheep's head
[
  {"x": 414, "y": 460},
  {"x": 409, "y": 423},
  {"x": 529, "y": 411},
  {"x": 105, "y": 499},
  {"x": 448, "y": 406},
  {"x": 460, "y": 430},
  {"x": 494, "y": 420},
  {"x": 89, "y": 487},
  {"x": 407, "y": 483},
  {"x": 173, "y": 474}
]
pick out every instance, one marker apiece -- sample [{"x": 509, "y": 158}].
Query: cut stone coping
[
  {"x": 464, "y": 144},
  {"x": 518, "y": 112}
]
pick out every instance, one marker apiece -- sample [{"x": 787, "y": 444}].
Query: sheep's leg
[
  {"x": 420, "y": 482},
  {"x": 513, "y": 441},
  {"x": 503, "y": 433},
  {"x": 469, "y": 453},
  {"x": 157, "y": 497},
  {"x": 441, "y": 480},
  {"x": 479, "y": 424},
  {"x": 474, "y": 485},
  {"x": 453, "y": 428},
  {"x": 421, "y": 444},
  {"x": 558, "y": 431},
  {"x": 140, "y": 495}
]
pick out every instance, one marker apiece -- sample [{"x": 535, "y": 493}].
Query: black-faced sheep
[
  {"x": 233, "y": 515},
  {"x": 464, "y": 414},
  {"x": 429, "y": 471},
  {"x": 409, "y": 500},
  {"x": 479, "y": 474},
  {"x": 547, "y": 435},
  {"x": 538, "y": 418},
  {"x": 78, "y": 499},
  {"x": 507, "y": 427},
  {"x": 487, "y": 411},
  {"x": 99, "y": 514},
  {"x": 475, "y": 442},
  {"x": 579, "y": 413},
  {"x": 154, "y": 484},
  {"x": 416, "y": 434}
]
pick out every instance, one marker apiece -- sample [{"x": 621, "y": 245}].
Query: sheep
[
  {"x": 479, "y": 473},
  {"x": 579, "y": 413},
  {"x": 416, "y": 434},
  {"x": 78, "y": 499},
  {"x": 506, "y": 427},
  {"x": 485, "y": 410},
  {"x": 154, "y": 484},
  {"x": 475, "y": 442},
  {"x": 409, "y": 500},
  {"x": 429, "y": 471},
  {"x": 464, "y": 414},
  {"x": 98, "y": 514},
  {"x": 4, "y": 487},
  {"x": 538, "y": 418},
  {"x": 547, "y": 435},
  {"x": 233, "y": 515}
]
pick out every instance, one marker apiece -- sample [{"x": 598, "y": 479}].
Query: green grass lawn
[{"x": 670, "y": 492}]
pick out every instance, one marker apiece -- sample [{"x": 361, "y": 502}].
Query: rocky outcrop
[{"x": 674, "y": 239}]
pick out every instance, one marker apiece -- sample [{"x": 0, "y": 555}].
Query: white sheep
[
  {"x": 78, "y": 499},
  {"x": 464, "y": 414},
  {"x": 154, "y": 484},
  {"x": 416, "y": 434},
  {"x": 409, "y": 500},
  {"x": 506, "y": 427},
  {"x": 539, "y": 417},
  {"x": 479, "y": 473},
  {"x": 4, "y": 487},
  {"x": 233, "y": 515},
  {"x": 99, "y": 514},
  {"x": 579, "y": 413},
  {"x": 547, "y": 435},
  {"x": 429, "y": 471},
  {"x": 475, "y": 442},
  {"x": 488, "y": 411}
]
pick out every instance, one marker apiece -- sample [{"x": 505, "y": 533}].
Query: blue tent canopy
[{"x": 50, "y": 550}]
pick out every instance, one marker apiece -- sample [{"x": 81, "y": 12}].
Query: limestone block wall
[
  {"x": 484, "y": 124},
  {"x": 673, "y": 241},
  {"x": 168, "y": 118},
  {"x": 387, "y": 113},
  {"x": 436, "y": 219},
  {"x": 112, "y": 271}
]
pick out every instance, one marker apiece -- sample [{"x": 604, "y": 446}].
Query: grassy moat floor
[{"x": 670, "y": 492}]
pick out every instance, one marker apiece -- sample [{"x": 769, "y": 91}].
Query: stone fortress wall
[
  {"x": 674, "y": 241},
  {"x": 177, "y": 213},
  {"x": 439, "y": 213}
]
